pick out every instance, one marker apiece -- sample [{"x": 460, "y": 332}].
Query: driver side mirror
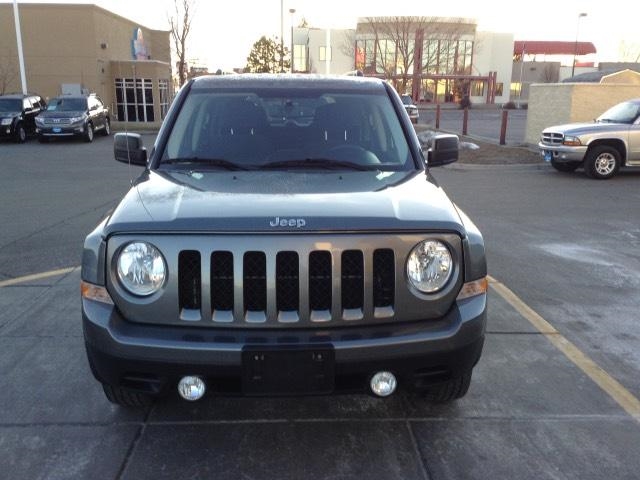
[
  {"x": 128, "y": 148},
  {"x": 443, "y": 148}
]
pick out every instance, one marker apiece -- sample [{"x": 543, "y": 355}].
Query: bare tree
[
  {"x": 8, "y": 74},
  {"x": 180, "y": 25},
  {"x": 550, "y": 73},
  {"x": 400, "y": 40},
  {"x": 630, "y": 52}
]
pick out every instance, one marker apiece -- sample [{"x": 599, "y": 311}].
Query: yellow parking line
[
  {"x": 36, "y": 276},
  {"x": 606, "y": 382}
]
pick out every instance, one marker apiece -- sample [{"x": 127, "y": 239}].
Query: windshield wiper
[
  {"x": 315, "y": 163},
  {"x": 209, "y": 162}
]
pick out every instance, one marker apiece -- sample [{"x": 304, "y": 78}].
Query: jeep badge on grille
[{"x": 288, "y": 222}]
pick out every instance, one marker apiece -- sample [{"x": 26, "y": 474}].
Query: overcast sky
[{"x": 223, "y": 31}]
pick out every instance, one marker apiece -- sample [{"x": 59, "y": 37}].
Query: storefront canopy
[{"x": 535, "y": 47}]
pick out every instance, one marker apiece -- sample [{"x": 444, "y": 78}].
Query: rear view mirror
[
  {"x": 443, "y": 149},
  {"x": 128, "y": 148}
]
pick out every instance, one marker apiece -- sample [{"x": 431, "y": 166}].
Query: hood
[
  {"x": 10, "y": 114},
  {"x": 587, "y": 128},
  {"x": 272, "y": 202}
]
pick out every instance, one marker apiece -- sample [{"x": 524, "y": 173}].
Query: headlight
[
  {"x": 76, "y": 119},
  {"x": 39, "y": 121},
  {"x": 6, "y": 121},
  {"x": 429, "y": 266},
  {"x": 571, "y": 141},
  {"x": 141, "y": 268}
]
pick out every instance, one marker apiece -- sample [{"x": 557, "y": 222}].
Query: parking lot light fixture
[{"x": 575, "y": 46}]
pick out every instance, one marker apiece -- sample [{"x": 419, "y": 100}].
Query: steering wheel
[{"x": 353, "y": 153}]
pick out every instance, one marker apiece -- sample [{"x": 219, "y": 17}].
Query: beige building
[{"x": 79, "y": 47}]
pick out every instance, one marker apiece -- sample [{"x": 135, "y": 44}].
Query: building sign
[{"x": 138, "y": 46}]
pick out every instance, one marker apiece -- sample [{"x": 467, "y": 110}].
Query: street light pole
[
  {"x": 575, "y": 46},
  {"x": 16, "y": 19},
  {"x": 281, "y": 36},
  {"x": 292, "y": 11}
]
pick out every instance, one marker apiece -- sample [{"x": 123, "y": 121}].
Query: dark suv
[
  {"x": 17, "y": 115},
  {"x": 286, "y": 237},
  {"x": 73, "y": 115}
]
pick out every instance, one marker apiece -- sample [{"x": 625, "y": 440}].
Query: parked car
[
  {"x": 601, "y": 147},
  {"x": 17, "y": 115},
  {"x": 73, "y": 115},
  {"x": 303, "y": 251},
  {"x": 411, "y": 108}
]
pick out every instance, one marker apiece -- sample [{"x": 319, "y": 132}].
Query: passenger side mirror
[
  {"x": 443, "y": 148},
  {"x": 128, "y": 148}
]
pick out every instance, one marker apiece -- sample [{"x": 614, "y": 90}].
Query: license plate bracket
[
  {"x": 288, "y": 371},
  {"x": 548, "y": 155}
]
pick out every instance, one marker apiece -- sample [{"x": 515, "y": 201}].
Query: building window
[
  {"x": 300, "y": 58},
  {"x": 325, "y": 54},
  {"x": 163, "y": 90},
  {"x": 134, "y": 99},
  {"x": 499, "y": 89},
  {"x": 477, "y": 89}
]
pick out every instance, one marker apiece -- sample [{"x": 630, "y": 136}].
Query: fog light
[
  {"x": 383, "y": 384},
  {"x": 191, "y": 388}
]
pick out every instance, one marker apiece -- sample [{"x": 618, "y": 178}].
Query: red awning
[{"x": 533, "y": 47}]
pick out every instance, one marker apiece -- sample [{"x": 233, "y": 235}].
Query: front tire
[
  {"x": 450, "y": 390},
  {"x": 107, "y": 128},
  {"x": 602, "y": 162},
  {"x": 565, "y": 166},
  {"x": 88, "y": 136},
  {"x": 21, "y": 134},
  {"x": 126, "y": 398}
]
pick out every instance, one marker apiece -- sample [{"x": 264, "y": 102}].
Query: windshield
[
  {"x": 626, "y": 112},
  {"x": 67, "y": 104},
  {"x": 10, "y": 105},
  {"x": 407, "y": 100},
  {"x": 293, "y": 129}
]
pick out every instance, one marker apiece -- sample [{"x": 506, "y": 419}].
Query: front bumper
[
  {"x": 6, "y": 131},
  {"x": 151, "y": 358},
  {"x": 61, "y": 131},
  {"x": 562, "y": 153}
]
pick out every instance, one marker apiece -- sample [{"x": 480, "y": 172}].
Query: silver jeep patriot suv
[{"x": 285, "y": 238}]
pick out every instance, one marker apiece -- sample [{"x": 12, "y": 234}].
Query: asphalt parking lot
[{"x": 555, "y": 395}]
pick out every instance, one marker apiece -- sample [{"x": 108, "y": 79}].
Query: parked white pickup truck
[{"x": 601, "y": 147}]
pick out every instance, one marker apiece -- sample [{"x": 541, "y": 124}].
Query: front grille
[
  {"x": 552, "y": 138},
  {"x": 57, "y": 121},
  {"x": 295, "y": 297},
  {"x": 288, "y": 281}
]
